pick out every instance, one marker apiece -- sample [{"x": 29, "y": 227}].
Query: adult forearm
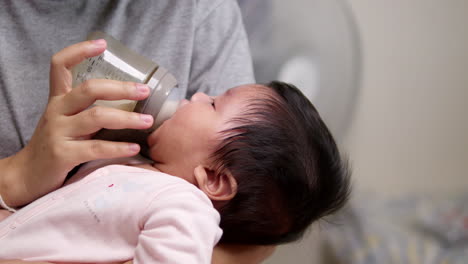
[
  {"x": 22, "y": 262},
  {"x": 12, "y": 186},
  {"x": 35, "y": 262}
]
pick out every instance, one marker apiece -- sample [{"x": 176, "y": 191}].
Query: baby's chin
[
  {"x": 152, "y": 138},
  {"x": 152, "y": 155}
]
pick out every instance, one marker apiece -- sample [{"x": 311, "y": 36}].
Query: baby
[{"x": 255, "y": 165}]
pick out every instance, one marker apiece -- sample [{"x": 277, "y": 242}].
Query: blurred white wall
[
  {"x": 410, "y": 128},
  {"x": 410, "y": 131}
]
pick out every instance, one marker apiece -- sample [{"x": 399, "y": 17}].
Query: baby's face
[{"x": 190, "y": 136}]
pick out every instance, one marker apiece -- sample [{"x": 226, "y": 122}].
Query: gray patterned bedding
[{"x": 409, "y": 230}]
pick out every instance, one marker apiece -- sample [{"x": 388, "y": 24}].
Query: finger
[
  {"x": 86, "y": 150},
  {"x": 64, "y": 60},
  {"x": 98, "y": 117},
  {"x": 88, "y": 92}
]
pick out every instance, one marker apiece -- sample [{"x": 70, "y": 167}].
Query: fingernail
[
  {"x": 147, "y": 118},
  {"x": 134, "y": 147},
  {"x": 98, "y": 42},
  {"x": 142, "y": 88}
]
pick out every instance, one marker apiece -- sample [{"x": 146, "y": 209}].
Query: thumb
[{"x": 62, "y": 62}]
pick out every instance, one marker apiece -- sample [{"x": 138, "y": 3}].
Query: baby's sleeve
[{"x": 179, "y": 226}]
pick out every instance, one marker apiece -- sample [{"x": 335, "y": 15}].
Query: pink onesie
[{"x": 114, "y": 214}]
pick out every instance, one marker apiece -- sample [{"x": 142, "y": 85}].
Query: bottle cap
[{"x": 159, "y": 103}]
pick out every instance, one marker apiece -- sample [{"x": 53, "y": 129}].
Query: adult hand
[{"x": 63, "y": 136}]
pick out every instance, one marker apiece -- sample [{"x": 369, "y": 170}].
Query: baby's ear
[{"x": 218, "y": 187}]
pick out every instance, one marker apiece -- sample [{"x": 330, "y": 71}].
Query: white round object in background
[
  {"x": 313, "y": 44},
  {"x": 302, "y": 72}
]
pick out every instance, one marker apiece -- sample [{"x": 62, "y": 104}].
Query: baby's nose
[{"x": 200, "y": 97}]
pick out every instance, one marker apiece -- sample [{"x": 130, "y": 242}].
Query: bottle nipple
[{"x": 167, "y": 110}]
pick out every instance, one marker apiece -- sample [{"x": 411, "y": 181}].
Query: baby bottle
[{"x": 118, "y": 62}]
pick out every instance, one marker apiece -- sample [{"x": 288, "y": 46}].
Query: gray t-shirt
[{"x": 201, "y": 42}]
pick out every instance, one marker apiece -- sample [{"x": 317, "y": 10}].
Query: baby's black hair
[{"x": 287, "y": 166}]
